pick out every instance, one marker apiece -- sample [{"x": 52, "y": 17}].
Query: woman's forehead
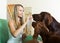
[{"x": 19, "y": 8}]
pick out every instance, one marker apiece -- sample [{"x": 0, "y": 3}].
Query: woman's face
[{"x": 20, "y": 11}]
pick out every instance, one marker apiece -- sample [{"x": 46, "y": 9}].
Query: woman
[{"x": 16, "y": 25}]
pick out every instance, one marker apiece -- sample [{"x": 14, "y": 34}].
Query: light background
[{"x": 52, "y": 6}]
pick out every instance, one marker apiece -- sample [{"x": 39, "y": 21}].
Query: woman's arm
[{"x": 15, "y": 32}]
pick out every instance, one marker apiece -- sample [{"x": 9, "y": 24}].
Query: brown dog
[
  {"x": 49, "y": 20},
  {"x": 42, "y": 30}
]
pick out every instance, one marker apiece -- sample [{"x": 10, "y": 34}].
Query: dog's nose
[{"x": 33, "y": 24}]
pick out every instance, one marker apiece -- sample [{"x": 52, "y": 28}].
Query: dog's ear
[
  {"x": 48, "y": 19},
  {"x": 34, "y": 24}
]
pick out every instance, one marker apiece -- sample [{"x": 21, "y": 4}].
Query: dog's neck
[{"x": 44, "y": 34}]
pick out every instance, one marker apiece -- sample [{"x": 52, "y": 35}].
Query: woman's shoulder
[{"x": 11, "y": 21}]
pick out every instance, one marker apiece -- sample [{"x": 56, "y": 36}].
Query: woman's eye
[{"x": 21, "y": 10}]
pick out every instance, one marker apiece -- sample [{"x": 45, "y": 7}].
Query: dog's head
[
  {"x": 39, "y": 26},
  {"x": 43, "y": 16},
  {"x": 39, "y": 29},
  {"x": 36, "y": 29},
  {"x": 37, "y": 17},
  {"x": 47, "y": 18}
]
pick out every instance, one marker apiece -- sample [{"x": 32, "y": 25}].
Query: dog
[
  {"x": 51, "y": 23},
  {"x": 47, "y": 37}
]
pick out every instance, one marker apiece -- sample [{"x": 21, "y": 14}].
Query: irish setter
[
  {"x": 51, "y": 23},
  {"x": 50, "y": 33},
  {"x": 47, "y": 37}
]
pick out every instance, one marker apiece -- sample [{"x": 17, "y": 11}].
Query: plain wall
[
  {"x": 3, "y": 9},
  {"x": 51, "y": 6}
]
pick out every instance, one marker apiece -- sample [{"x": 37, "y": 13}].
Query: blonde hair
[{"x": 15, "y": 15}]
